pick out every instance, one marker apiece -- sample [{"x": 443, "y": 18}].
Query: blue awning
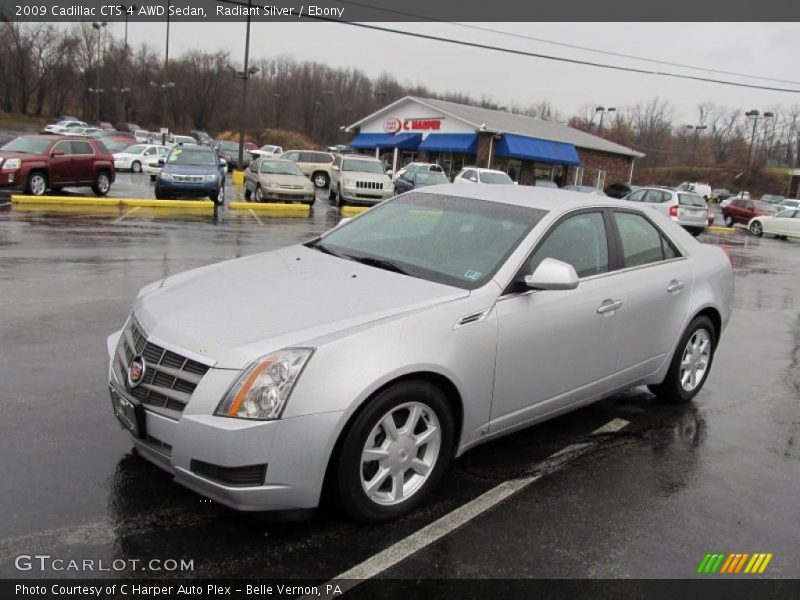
[
  {"x": 546, "y": 151},
  {"x": 403, "y": 141},
  {"x": 450, "y": 142}
]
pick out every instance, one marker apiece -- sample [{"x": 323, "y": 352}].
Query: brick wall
[{"x": 616, "y": 166}]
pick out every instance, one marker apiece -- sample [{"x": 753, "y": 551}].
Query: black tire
[
  {"x": 160, "y": 195},
  {"x": 348, "y": 467},
  {"x": 756, "y": 229},
  {"x": 331, "y": 194},
  {"x": 136, "y": 167},
  {"x": 102, "y": 184},
  {"x": 728, "y": 221},
  {"x": 247, "y": 194},
  {"x": 340, "y": 201},
  {"x": 153, "y": 178},
  {"x": 671, "y": 390},
  {"x": 695, "y": 232},
  {"x": 37, "y": 183},
  {"x": 311, "y": 202},
  {"x": 218, "y": 197},
  {"x": 320, "y": 179}
]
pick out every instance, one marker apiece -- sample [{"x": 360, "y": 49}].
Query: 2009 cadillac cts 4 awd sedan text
[{"x": 369, "y": 357}]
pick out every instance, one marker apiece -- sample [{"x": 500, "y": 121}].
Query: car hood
[
  {"x": 300, "y": 180},
  {"x": 126, "y": 155},
  {"x": 21, "y": 155},
  {"x": 190, "y": 169},
  {"x": 236, "y": 311}
]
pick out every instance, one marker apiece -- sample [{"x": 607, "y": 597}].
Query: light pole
[
  {"x": 755, "y": 115},
  {"x": 125, "y": 11},
  {"x": 317, "y": 106},
  {"x": 245, "y": 75},
  {"x": 277, "y": 97},
  {"x": 697, "y": 129},
  {"x": 124, "y": 91},
  {"x": 167, "y": 85},
  {"x": 96, "y": 90},
  {"x": 603, "y": 110}
]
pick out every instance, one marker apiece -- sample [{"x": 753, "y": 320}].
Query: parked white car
[
  {"x": 488, "y": 176},
  {"x": 785, "y": 223},
  {"x": 61, "y": 126},
  {"x": 134, "y": 157},
  {"x": 267, "y": 150}
]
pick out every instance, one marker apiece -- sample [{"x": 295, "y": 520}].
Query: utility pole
[{"x": 755, "y": 115}]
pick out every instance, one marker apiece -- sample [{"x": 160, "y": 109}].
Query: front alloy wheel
[
  {"x": 756, "y": 229},
  {"x": 37, "y": 184},
  {"x": 102, "y": 185},
  {"x": 728, "y": 221},
  {"x": 395, "y": 452}
]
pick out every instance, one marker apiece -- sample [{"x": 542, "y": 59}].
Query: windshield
[
  {"x": 26, "y": 145},
  {"x": 275, "y": 167},
  {"x": 489, "y": 177},
  {"x": 233, "y": 146},
  {"x": 268, "y": 148},
  {"x": 691, "y": 200},
  {"x": 362, "y": 166},
  {"x": 135, "y": 149},
  {"x": 447, "y": 239},
  {"x": 430, "y": 178},
  {"x": 116, "y": 145},
  {"x": 184, "y": 156}
]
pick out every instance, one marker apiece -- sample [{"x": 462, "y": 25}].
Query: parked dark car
[
  {"x": 36, "y": 163},
  {"x": 741, "y": 210},
  {"x": 412, "y": 180},
  {"x": 192, "y": 171},
  {"x": 619, "y": 189},
  {"x": 230, "y": 152},
  {"x": 200, "y": 136}
]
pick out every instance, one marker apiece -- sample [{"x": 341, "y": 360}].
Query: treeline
[{"x": 47, "y": 71}]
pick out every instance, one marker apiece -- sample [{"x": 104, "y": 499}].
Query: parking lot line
[
  {"x": 126, "y": 215},
  {"x": 4, "y": 203},
  {"x": 255, "y": 216},
  {"x": 394, "y": 554}
]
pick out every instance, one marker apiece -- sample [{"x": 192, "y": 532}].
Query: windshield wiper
[
  {"x": 381, "y": 263},
  {"x": 317, "y": 245}
]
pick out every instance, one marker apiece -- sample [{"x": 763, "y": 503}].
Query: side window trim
[{"x": 679, "y": 254}]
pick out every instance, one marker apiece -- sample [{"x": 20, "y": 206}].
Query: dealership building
[{"x": 457, "y": 135}]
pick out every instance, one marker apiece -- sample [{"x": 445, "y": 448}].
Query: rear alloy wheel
[
  {"x": 136, "y": 167},
  {"x": 320, "y": 180},
  {"x": 395, "y": 452},
  {"x": 259, "y": 195},
  {"x": 37, "y": 183},
  {"x": 102, "y": 184},
  {"x": 756, "y": 229},
  {"x": 690, "y": 364},
  {"x": 728, "y": 221}
]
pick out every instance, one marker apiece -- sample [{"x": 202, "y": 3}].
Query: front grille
[
  {"x": 369, "y": 185},
  {"x": 292, "y": 187},
  {"x": 169, "y": 379},
  {"x": 188, "y": 178},
  {"x": 248, "y": 476}
]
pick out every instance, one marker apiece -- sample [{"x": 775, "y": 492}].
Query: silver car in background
[
  {"x": 688, "y": 209},
  {"x": 371, "y": 356}
]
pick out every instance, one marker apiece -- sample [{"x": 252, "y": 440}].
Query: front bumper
[
  {"x": 188, "y": 188},
  {"x": 365, "y": 196},
  {"x": 11, "y": 179},
  {"x": 293, "y": 452},
  {"x": 287, "y": 195}
]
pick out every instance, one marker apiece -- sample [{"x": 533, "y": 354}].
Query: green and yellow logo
[{"x": 741, "y": 562}]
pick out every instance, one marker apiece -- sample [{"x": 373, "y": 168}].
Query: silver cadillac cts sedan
[{"x": 368, "y": 358}]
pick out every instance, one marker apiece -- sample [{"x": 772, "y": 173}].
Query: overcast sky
[{"x": 765, "y": 49}]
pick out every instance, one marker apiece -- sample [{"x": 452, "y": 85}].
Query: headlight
[
  {"x": 12, "y": 164},
  {"x": 349, "y": 182},
  {"x": 272, "y": 184},
  {"x": 387, "y": 185},
  {"x": 210, "y": 177},
  {"x": 263, "y": 388},
  {"x": 166, "y": 176}
]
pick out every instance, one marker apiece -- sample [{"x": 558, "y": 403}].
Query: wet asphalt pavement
[{"x": 718, "y": 475}]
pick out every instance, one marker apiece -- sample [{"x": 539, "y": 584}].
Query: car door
[
  {"x": 557, "y": 348},
  {"x": 658, "y": 282},
  {"x": 637, "y": 196},
  {"x": 82, "y": 161},
  {"x": 793, "y": 225},
  {"x": 61, "y": 163},
  {"x": 251, "y": 175},
  {"x": 784, "y": 223}
]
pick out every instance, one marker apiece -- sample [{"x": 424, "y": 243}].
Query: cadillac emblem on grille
[{"x": 136, "y": 370}]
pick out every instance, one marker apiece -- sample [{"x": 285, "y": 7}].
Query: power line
[
  {"x": 563, "y": 59},
  {"x": 572, "y": 46}
]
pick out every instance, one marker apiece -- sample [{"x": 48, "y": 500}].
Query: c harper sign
[{"x": 393, "y": 124}]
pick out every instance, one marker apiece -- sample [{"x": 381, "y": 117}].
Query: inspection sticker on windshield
[{"x": 472, "y": 275}]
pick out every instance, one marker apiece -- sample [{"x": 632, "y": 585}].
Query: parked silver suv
[
  {"x": 359, "y": 179},
  {"x": 687, "y": 208}
]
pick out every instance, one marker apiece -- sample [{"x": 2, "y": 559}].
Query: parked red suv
[
  {"x": 36, "y": 163},
  {"x": 741, "y": 210}
]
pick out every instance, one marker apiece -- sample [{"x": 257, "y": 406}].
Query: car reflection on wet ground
[{"x": 647, "y": 500}]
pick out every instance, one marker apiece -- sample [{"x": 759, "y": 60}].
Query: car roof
[
  {"x": 361, "y": 156},
  {"x": 548, "y": 199}
]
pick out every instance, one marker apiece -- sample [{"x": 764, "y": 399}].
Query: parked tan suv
[
  {"x": 359, "y": 179},
  {"x": 316, "y": 165}
]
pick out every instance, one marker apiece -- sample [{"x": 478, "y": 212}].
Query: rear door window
[{"x": 642, "y": 242}]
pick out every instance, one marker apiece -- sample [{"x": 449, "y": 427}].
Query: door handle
[
  {"x": 609, "y": 306},
  {"x": 675, "y": 286}
]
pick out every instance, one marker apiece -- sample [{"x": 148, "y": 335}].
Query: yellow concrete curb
[
  {"x": 353, "y": 210},
  {"x": 129, "y": 202},
  {"x": 237, "y": 177},
  {"x": 718, "y": 229},
  {"x": 86, "y": 201},
  {"x": 270, "y": 207}
]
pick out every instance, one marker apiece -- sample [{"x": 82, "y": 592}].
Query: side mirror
[
  {"x": 552, "y": 274},
  {"x": 57, "y": 152},
  {"x": 334, "y": 168},
  {"x": 223, "y": 162},
  {"x": 389, "y": 172},
  {"x": 473, "y": 179},
  {"x": 162, "y": 161}
]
